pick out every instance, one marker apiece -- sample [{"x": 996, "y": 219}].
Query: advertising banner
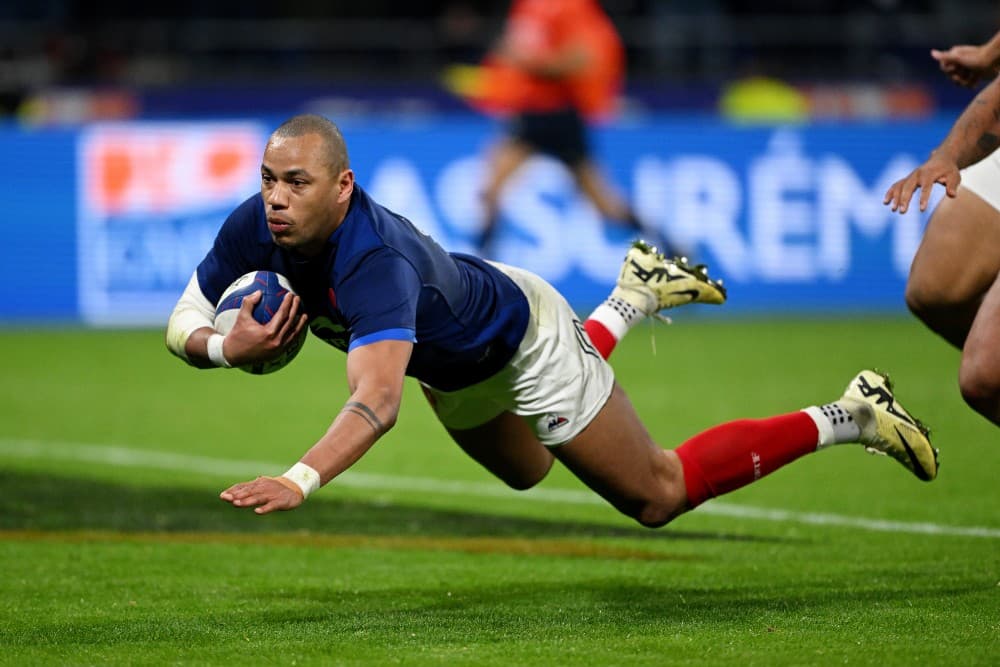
[
  {"x": 791, "y": 217},
  {"x": 150, "y": 199}
]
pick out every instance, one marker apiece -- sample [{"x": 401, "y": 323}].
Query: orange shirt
[{"x": 538, "y": 29}]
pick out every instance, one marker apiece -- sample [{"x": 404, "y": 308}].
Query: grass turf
[{"x": 117, "y": 551}]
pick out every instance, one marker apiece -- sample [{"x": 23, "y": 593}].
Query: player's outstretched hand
[
  {"x": 264, "y": 494},
  {"x": 937, "y": 169},
  {"x": 250, "y": 342}
]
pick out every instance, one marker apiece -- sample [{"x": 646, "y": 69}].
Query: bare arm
[
  {"x": 974, "y": 135},
  {"x": 375, "y": 375}
]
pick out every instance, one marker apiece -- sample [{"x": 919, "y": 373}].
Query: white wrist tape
[
  {"x": 304, "y": 476},
  {"x": 192, "y": 312},
  {"x": 215, "y": 350}
]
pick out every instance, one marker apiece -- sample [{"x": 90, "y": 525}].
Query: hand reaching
[
  {"x": 264, "y": 494},
  {"x": 937, "y": 169},
  {"x": 965, "y": 65}
]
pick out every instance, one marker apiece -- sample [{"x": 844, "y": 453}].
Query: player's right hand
[{"x": 250, "y": 341}]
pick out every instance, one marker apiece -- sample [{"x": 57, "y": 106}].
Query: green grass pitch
[{"x": 116, "y": 550}]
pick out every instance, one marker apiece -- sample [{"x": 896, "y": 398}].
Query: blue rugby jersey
[{"x": 382, "y": 279}]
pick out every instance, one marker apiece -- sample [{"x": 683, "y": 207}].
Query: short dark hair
[{"x": 336, "y": 147}]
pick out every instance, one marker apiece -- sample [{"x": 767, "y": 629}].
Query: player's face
[{"x": 303, "y": 200}]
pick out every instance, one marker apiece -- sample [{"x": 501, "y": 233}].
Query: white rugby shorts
[
  {"x": 556, "y": 380},
  {"x": 983, "y": 179}
]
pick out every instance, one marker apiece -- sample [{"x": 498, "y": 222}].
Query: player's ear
[{"x": 345, "y": 186}]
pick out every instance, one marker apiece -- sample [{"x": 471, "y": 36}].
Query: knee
[
  {"x": 937, "y": 296},
  {"x": 924, "y": 299},
  {"x": 522, "y": 483},
  {"x": 655, "y": 515},
  {"x": 914, "y": 297},
  {"x": 979, "y": 380},
  {"x": 667, "y": 497},
  {"x": 660, "y": 511},
  {"x": 525, "y": 478}
]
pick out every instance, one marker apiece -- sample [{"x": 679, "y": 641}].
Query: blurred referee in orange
[{"x": 558, "y": 66}]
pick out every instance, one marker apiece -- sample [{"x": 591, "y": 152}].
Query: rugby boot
[
  {"x": 651, "y": 282},
  {"x": 886, "y": 427}
]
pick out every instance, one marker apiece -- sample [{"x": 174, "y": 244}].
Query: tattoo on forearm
[
  {"x": 976, "y": 128},
  {"x": 366, "y": 413},
  {"x": 988, "y": 143}
]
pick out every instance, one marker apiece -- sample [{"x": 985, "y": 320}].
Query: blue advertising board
[{"x": 107, "y": 222}]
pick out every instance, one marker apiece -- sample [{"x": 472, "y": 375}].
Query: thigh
[
  {"x": 616, "y": 457},
  {"x": 508, "y": 448},
  {"x": 981, "y": 355},
  {"x": 959, "y": 256}
]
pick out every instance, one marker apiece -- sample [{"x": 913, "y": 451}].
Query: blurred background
[
  {"x": 70, "y": 60},
  {"x": 129, "y": 130}
]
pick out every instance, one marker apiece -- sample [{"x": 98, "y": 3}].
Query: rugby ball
[{"x": 273, "y": 287}]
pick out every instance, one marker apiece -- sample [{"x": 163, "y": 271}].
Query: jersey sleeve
[
  {"x": 231, "y": 253},
  {"x": 379, "y": 298}
]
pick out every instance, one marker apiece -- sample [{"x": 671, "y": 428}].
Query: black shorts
[{"x": 561, "y": 134}]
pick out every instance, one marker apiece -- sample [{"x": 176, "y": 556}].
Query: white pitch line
[{"x": 215, "y": 467}]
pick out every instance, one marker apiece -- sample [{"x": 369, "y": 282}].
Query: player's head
[
  {"x": 306, "y": 182},
  {"x": 333, "y": 145}
]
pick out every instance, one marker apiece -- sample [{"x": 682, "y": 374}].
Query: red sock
[
  {"x": 732, "y": 455},
  {"x": 602, "y": 339}
]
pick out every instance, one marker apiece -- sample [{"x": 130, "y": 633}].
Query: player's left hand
[
  {"x": 938, "y": 169},
  {"x": 264, "y": 494},
  {"x": 249, "y": 341}
]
